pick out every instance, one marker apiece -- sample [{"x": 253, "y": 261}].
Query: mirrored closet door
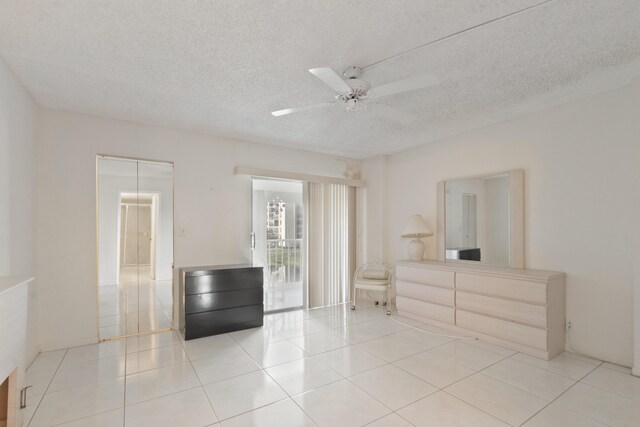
[{"x": 135, "y": 246}]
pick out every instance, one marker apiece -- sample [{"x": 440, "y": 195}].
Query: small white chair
[{"x": 373, "y": 276}]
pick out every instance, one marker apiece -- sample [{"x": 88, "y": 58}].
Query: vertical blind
[{"x": 331, "y": 243}]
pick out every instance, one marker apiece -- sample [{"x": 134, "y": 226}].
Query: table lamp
[{"x": 416, "y": 229}]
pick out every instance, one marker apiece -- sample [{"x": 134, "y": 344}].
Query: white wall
[
  {"x": 582, "y": 181},
  {"x": 211, "y": 204},
  {"x": 371, "y": 207},
  {"x": 635, "y": 233},
  {"x": 18, "y": 122},
  {"x": 110, "y": 188}
]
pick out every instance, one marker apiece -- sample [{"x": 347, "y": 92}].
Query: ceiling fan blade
[
  {"x": 331, "y": 78},
  {"x": 391, "y": 113},
  {"x": 286, "y": 111},
  {"x": 404, "y": 85}
]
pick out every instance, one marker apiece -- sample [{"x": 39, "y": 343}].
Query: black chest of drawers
[{"x": 220, "y": 299}]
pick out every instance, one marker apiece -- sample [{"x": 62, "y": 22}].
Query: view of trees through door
[{"x": 135, "y": 246}]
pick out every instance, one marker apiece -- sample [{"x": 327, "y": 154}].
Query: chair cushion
[
  {"x": 372, "y": 284},
  {"x": 375, "y": 274}
]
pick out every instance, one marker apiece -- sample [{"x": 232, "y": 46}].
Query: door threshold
[
  {"x": 119, "y": 337},
  {"x": 284, "y": 310}
]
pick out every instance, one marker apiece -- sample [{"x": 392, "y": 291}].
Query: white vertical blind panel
[{"x": 331, "y": 245}]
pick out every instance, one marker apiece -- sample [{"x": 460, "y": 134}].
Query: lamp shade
[{"x": 416, "y": 227}]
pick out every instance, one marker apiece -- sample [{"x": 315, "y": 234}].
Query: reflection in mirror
[{"x": 477, "y": 219}]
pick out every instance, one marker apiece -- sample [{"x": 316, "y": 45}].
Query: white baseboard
[
  {"x": 59, "y": 345},
  {"x": 600, "y": 355},
  {"x": 30, "y": 358}
]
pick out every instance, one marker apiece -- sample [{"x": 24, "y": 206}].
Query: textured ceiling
[{"x": 220, "y": 67}]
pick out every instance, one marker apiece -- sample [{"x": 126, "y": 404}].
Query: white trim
[
  {"x": 62, "y": 344},
  {"x": 636, "y": 295},
  {"x": 295, "y": 176}
]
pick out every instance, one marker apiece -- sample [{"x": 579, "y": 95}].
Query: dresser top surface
[
  {"x": 470, "y": 267},
  {"x": 212, "y": 269}
]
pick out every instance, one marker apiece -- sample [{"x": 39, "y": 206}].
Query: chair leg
[
  {"x": 387, "y": 301},
  {"x": 355, "y": 297}
]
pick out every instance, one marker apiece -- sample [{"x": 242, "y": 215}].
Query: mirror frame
[{"x": 516, "y": 219}]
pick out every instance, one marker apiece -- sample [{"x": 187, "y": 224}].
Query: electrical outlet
[{"x": 569, "y": 325}]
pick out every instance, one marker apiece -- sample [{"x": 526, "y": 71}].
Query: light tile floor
[
  {"x": 282, "y": 295},
  {"x": 137, "y": 304},
  {"x": 325, "y": 367}
]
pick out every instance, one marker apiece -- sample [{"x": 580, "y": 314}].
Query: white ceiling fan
[{"x": 357, "y": 94}]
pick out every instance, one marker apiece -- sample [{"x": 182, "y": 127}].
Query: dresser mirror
[{"x": 481, "y": 219}]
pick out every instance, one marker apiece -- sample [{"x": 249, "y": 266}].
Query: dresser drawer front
[
  {"x": 501, "y": 287},
  {"x": 426, "y": 276},
  {"x": 221, "y": 300},
  {"x": 225, "y": 280},
  {"x": 510, "y": 331},
  {"x": 530, "y": 314},
  {"x": 425, "y": 309},
  {"x": 221, "y": 321},
  {"x": 425, "y": 293}
]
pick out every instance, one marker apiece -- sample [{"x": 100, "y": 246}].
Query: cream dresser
[{"x": 517, "y": 308}]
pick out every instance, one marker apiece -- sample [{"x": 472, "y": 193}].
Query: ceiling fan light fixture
[{"x": 353, "y": 105}]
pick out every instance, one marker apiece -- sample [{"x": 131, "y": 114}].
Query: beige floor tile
[
  {"x": 340, "y": 404},
  {"x": 242, "y": 394},
  {"x": 536, "y": 381},
  {"x": 501, "y": 400},
  {"x": 442, "y": 409},
  {"x": 434, "y": 369},
  {"x": 302, "y": 375},
  {"x": 601, "y": 405},
  {"x": 392, "y": 386}
]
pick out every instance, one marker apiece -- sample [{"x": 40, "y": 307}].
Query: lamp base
[{"x": 416, "y": 249}]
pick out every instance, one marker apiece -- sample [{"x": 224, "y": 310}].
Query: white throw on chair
[{"x": 373, "y": 276}]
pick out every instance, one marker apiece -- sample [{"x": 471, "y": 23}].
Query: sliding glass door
[
  {"x": 277, "y": 241},
  {"x": 135, "y": 246},
  {"x": 303, "y": 234}
]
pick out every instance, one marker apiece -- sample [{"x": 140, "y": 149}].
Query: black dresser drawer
[
  {"x": 224, "y": 280},
  {"x": 222, "y": 321},
  {"x": 222, "y": 300}
]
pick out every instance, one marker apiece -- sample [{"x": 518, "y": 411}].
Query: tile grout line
[
  {"x": 462, "y": 379},
  {"x": 564, "y": 392},
  {"x": 608, "y": 391},
  {"x": 428, "y": 351},
  {"x": 81, "y": 418},
  {"x": 48, "y": 385},
  {"x": 264, "y": 370},
  {"x": 349, "y": 345},
  {"x": 273, "y": 379},
  {"x": 595, "y": 365},
  {"x": 184, "y": 346},
  {"x": 385, "y": 364},
  {"x": 443, "y": 389},
  {"x": 266, "y": 373}
]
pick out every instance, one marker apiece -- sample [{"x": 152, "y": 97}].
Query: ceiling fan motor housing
[{"x": 359, "y": 88}]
